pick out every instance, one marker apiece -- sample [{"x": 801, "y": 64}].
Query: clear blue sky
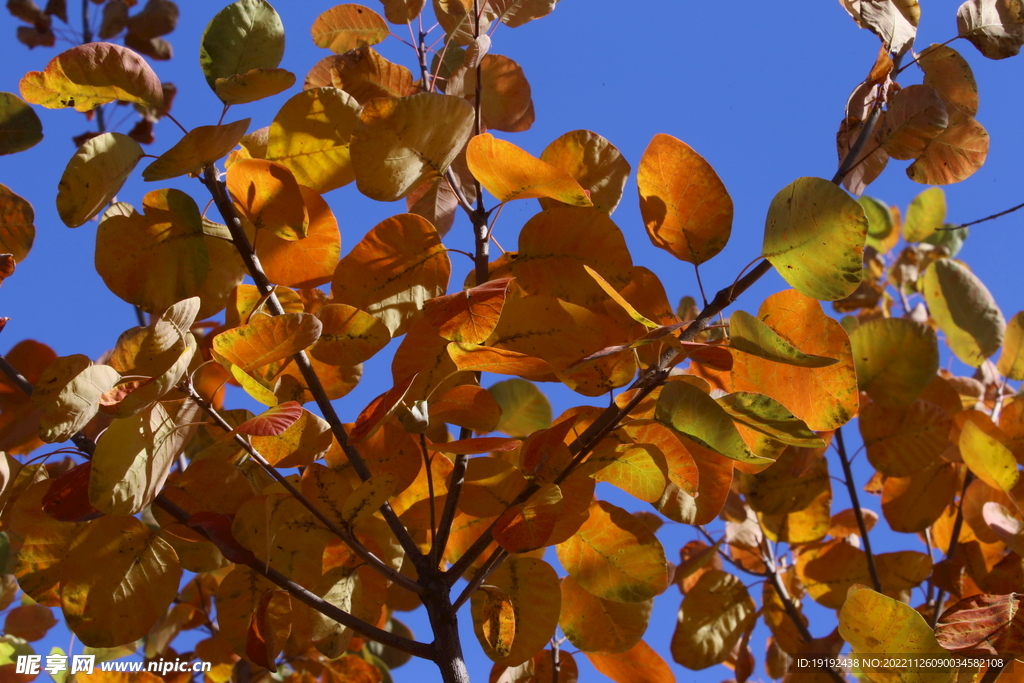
[{"x": 757, "y": 88}]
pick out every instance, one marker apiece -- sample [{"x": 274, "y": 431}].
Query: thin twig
[
  {"x": 451, "y": 502},
  {"x": 982, "y": 220},
  {"x": 496, "y": 558},
  {"x": 858, "y": 512},
  {"x": 227, "y": 211},
  {"x": 415, "y": 648},
  {"x": 954, "y": 541},
  {"x": 427, "y": 463},
  {"x": 344, "y": 534}
]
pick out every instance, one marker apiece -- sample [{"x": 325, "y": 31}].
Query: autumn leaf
[
  {"x": 253, "y": 85},
  {"x": 68, "y": 393},
  {"x": 751, "y": 335},
  {"x": 814, "y": 236},
  {"x": 346, "y": 27},
  {"x": 17, "y": 228},
  {"x": 639, "y": 664},
  {"x": 916, "y": 115},
  {"x": 593, "y": 624},
  {"x": 893, "y": 21},
  {"x": 995, "y": 28},
  {"x": 990, "y": 460},
  {"x": 508, "y": 173},
  {"x": 1011, "y": 360},
  {"x": 955, "y": 154},
  {"x": 596, "y": 164},
  {"x": 266, "y": 340},
  {"x": 199, "y": 147},
  {"x": 20, "y": 127},
  {"x": 684, "y": 203},
  {"x": 89, "y": 75},
  {"x": 896, "y": 359},
  {"x": 245, "y": 35},
  {"x": 925, "y": 215},
  {"x": 713, "y": 616},
  {"x": 269, "y": 196},
  {"x": 964, "y": 310},
  {"x": 112, "y": 158}
]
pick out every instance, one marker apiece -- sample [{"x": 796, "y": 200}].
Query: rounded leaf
[
  {"x": 684, "y": 204},
  {"x": 593, "y": 624},
  {"x": 714, "y": 615},
  {"x": 245, "y": 35},
  {"x": 94, "y": 175},
  {"x": 508, "y": 173},
  {"x": 346, "y": 27},
  {"x": 17, "y": 225},
  {"x": 596, "y": 164},
  {"x": 20, "y": 127},
  {"x": 199, "y": 147},
  {"x": 896, "y": 358},
  {"x": 814, "y": 236},
  {"x": 964, "y": 310}
]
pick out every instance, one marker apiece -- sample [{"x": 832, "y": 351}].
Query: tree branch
[
  {"x": 227, "y": 211},
  {"x": 496, "y": 558},
  {"x": 344, "y": 534},
  {"x": 857, "y": 510},
  {"x": 954, "y": 541},
  {"x": 986, "y": 218}
]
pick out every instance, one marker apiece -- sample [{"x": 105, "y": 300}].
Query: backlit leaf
[
  {"x": 902, "y": 440},
  {"x": 954, "y": 155},
  {"x": 94, "y": 175},
  {"x": 93, "y": 74},
  {"x": 528, "y": 526},
  {"x": 400, "y": 142},
  {"x": 1011, "y": 360},
  {"x": 593, "y": 624},
  {"x": 995, "y": 28},
  {"x": 470, "y": 315},
  {"x": 156, "y": 258},
  {"x": 692, "y": 412},
  {"x": 508, "y": 173},
  {"x": 269, "y": 196},
  {"x": 402, "y": 11},
  {"x": 266, "y": 340},
  {"x": 524, "y": 408},
  {"x": 367, "y": 498},
  {"x": 912, "y": 504},
  {"x": 532, "y": 587},
  {"x": 896, "y": 358},
  {"x": 615, "y": 556},
  {"x": 346, "y": 27},
  {"x": 990, "y": 460},
  {"x": 505, "y": 98},
  {"x": 916, "y": 115},
  {"x": 894, "y": 21},
  {"x": 271, "y": 422},
  {"x": 17, "y": 229},
  {"x": 310, "y": 137},
  {"x": 985, "y": 623},
  {"x": 362, "y": 73},
  {"x": 515, "y": 13},
  {"x": 769, "y": 417},
  {"x": 393, "y": 270},
  {"x": 874, "y": 624},
  {"x": 828, "y": 570},
  {"x": 814, "y": 236},
  {"x": 713, "y": 616},
  {"x": 349, "y": 336},
  {"x": 68, "y": 393},
  {"x": 684, "y": 203},
  {"x": 596, "y": 164},
  {"x": 117, "y": 580},
  {"x": 199, "y": 147},
  {"x": 494, "y": 621},
  {"x": 791, "y": 484},
  {"x": 468, "y": 406},
  {"x": 305, "y": 440},
  {"x": 20, "y": 127},
  {"x": 880, "y": 223},
  {"x": 951, "y": 76},
  {"x": 310, "y": 261},
  {"x": 750, "y": 335},
  {"x": 245, "y": 35},
  {"x": 925, "y": 215},
  {"x": 253, "y": 85},
  {"x": 135, "y": 454},
  {"x": 639, "y": 664},
  {"x": 964, "y": 310}
]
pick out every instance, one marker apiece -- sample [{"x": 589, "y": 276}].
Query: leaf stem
[
  {"x": 858, "y": 512},
  {"x": 227, "y": 211}
]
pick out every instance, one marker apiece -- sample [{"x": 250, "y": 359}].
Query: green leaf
[
  {"x": 952, "y": 240},
  {"x": 880, "y": 223},
  {"x": 749, "y": 335},
  {"x": 895, "y": 358},
  {"x": 524, "y": 409},
  {"x": 1011, "y": 360},
  {"x": 814, "y": 236},
  {"x": 924, "y": 215},
  {"x": 690, "y": 411},
  {"x": 964, "y": 310},
  {"x": 245, "y": 35},
  {"x": 20, "y": 127},
  {"x": 766, "y": 415},
  {"x": 94, "y": 175}
]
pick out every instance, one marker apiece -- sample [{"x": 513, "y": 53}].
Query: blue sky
[{"x": 758, "y": 89}]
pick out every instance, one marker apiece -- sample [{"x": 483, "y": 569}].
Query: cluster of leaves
[{"x": 307, "y": 570}]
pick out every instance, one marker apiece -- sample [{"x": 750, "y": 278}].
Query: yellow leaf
[
  {"x": 306, "y": 440},
  {"x": 685, "y": 206},
  {"x": 199, "y": 147},
  {"x": 252, "y": 85},
  {"x": 94, "y": 175},
  {"x": 964, "y": 310},
  {"x": 596, "y": 164},
  {"x": 1011, "y": 360},
  {"x": 266, "y": 340},
  {"x": 874, "y": 624},
  {"x": 713, "y": 616},
  {"x": 349, "y": 336},
  {"x": 615, "y": 556},
  {"x": 593, "y": 624},
  {"x": 367, "y": 498},
  {"x": 989, "y": 459},
  {"x": 508, "y": 173},
  {"x": 400, "y": 142},
  {"x": 156, "y": 258},
  {"x": 532, "y": 587},
  {"x": 896, "y": 358},
  {"x": 117, "y": 580},
  {"x": 524, "y": 409},
  {"x": 68, "y": 393},
  {"x": 93, "y": 74},
  {"x": 310, "y": 137},
  {"x": 494, "y": 621}
]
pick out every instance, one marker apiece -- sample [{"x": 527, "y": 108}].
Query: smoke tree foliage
[{"x": 287, "y": 542}]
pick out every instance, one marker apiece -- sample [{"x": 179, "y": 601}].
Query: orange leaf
[
  {"x": 310, "y": 261},
  {"x": 469, "y": 406},
  {"x": 473, "y": 446},
  {"x": 952, "y": 156},
  {"x": 373, "y": 415},
  {"x": 267, "y": 194},
  {"x": 266, "y": 340},
  {"x": 346, "y": 27},
  {"x": 508, "y": 173},
  {"x": 916, "y": 115},
  {"x": 528, "y": 526},
  {"x": 640, "y": 664},
  {"x": 684, "y": 203},
  {"x": 349, "y": 336},
  {"x": 470, "y": 315},
  {"x": 273, "y": 421},
  {"x": 498, "y": 361}
]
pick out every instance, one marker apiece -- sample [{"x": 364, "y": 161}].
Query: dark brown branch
[
  {"x": 344, "y": 534},
  {"x": 412, "y": 647},
  {"x": 496, "y": 558},
  {"x": 81, "y": 441},
  {"x": 858, "y": 512},
  {"x": 986, "y": 218},
  {"x": 227, "y": 211},
  {"x": 444, "y": 527}
]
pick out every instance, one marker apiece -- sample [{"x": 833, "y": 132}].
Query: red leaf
[
  {"x": 983, "y": 624},
  {"x": 217, "y": 527},
  {"x": 68, "y": 497},
  {"x": 272, "y": 422}
]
